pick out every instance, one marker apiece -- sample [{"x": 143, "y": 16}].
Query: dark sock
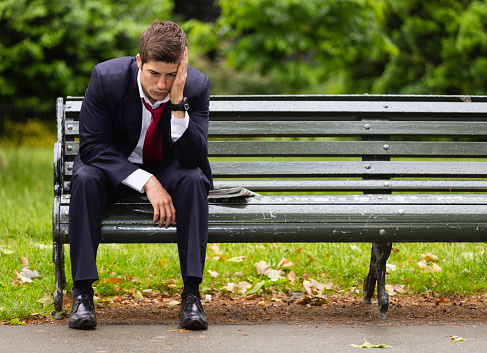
[
  {"x": 83, "y": 288},
  {"x": 192, "y": 285}
]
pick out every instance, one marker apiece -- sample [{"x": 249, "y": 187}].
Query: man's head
[
  {"x": 162, "y": 46},
  {"x": 162, "y": 41}
]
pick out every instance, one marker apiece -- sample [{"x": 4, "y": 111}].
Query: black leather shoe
[
  {"x": 191, "y": 314},
  {"x": 83, "y": 313}
]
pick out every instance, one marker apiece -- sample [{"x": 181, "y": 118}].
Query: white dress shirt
[{"x": 137, "y": 179}]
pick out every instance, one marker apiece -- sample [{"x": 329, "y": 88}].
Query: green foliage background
[{"x": 48, "y": 48}]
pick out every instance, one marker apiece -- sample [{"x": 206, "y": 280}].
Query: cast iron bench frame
[{"x": 363, "y": 168}]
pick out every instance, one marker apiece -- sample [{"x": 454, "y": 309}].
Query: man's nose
[{"x": 161, "y": 84}]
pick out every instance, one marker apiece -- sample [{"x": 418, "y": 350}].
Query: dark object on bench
[{"x": 361, "y": 168}]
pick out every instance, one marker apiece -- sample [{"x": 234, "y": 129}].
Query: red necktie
[{"x": 152, "y": 150}]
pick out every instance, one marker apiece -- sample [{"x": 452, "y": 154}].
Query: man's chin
[{"x": 158, "y": 96}]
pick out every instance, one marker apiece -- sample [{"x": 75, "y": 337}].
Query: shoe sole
[
  {"x": 83, "y": 325},
  {"x": 194, "y": 325}
]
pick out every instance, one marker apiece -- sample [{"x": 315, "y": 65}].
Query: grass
[{"x": 25, "y": 232}]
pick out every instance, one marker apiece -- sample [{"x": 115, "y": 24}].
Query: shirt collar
[{"x": 144, "y": 97}]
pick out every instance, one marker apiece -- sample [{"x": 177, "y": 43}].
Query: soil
[{"x": 298, "y": 309}]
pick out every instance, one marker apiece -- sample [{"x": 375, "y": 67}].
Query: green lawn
[{"x": 26, "y": 192}]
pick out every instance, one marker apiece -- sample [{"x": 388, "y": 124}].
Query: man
[{"x": 143, "y": 128}]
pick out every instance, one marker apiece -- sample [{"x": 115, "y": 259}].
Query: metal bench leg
[
  {"x": 377, "y": 274},
  {"x": 60, "y": 279}
]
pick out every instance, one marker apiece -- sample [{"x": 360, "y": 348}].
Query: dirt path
[{"x": 159, "y": 310}]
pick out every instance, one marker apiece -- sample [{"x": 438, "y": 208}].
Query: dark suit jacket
[{"x": 111, "y": 114}]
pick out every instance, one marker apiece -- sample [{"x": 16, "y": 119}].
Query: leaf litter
[{"x": 286, "y": 308}]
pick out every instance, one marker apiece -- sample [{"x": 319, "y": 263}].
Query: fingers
[
  {"x": 156, "y": 215},
  {"x": 165, "y": 213},
  {"x": 167, "y": 218},
  {"x": 177, "y": 88},
  {"x": 170, "y": 217},
  {"x": 184, "y": 60},
  {"x": 161, "y": 201}
]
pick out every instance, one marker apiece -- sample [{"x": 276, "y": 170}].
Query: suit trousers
[{"x": 92, "y": 192}]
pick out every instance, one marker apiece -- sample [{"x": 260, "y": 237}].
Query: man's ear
[{"x": 139, "y": 62}]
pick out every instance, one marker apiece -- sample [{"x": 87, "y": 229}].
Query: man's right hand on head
[{"x": 161, "y": 201}]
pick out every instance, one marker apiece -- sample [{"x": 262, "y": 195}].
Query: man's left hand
[{"x": 177, "y": 88}]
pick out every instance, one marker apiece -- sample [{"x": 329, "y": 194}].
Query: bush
[{"x": 32, "y": 133}]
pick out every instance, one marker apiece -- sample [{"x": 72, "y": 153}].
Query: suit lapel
[
  {"x": 132, "y": 119},
  {"x": 131, "y": 111}
]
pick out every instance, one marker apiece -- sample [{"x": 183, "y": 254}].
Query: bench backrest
[{"x": 356, "y": 143}]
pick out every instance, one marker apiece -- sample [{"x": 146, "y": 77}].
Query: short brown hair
[{"x": 162, "y": 41}]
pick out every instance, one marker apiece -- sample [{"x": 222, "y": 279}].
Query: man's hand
[
  {"x": 177, "y": 88},
  {"x": 161, "y": 202}
]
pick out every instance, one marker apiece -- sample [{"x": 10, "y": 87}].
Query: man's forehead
[{"x": 161, "y": 66}]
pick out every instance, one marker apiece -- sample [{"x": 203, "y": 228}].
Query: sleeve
[
  {"x": 178, "y": 126},
  {"x": 137, "y": 180},
  {"x": 97, "y": 124}
]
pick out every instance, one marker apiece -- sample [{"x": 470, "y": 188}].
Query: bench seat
[{"x": 310, "y": 218}]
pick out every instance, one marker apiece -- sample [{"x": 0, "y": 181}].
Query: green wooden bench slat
[
  {"x": 341, "y": 168},
  {"x": 346, "y": 148},
  {"x": 332, "y": 128},
  {"x": 72, "y": 128},
  {"x": 73, "y": 105},
  {"x": 313, "y": 213},
  {"x": 349, "y": 97},
  {"x": 333, "y": 105},
  {"x": 334, "y": 148},
  {"x": 301, "y": 232},
  {"x": 344, "y": 128},
  {"x": 363, "y": 199},
  {"x": 345, "y": 199},
  {"x": 337, "y": 106},
  {"x": 318, "y": 209},
  {"x": 355, "y": 185},
  {"x": 125, "y": 214}
]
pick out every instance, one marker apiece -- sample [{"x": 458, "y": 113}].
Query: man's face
[{"x": 156, "y": 78}]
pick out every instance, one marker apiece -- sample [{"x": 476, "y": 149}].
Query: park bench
[{"x": 351, "y": 168}]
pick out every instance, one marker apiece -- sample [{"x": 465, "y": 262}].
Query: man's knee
[
  {"x": 193, "y": 178},
  {"x": 89, "y": 178}
]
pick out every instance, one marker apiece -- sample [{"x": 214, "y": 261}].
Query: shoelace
[
  {"x": 84, "y": 300},
  {"x": 192, "y": 299}
]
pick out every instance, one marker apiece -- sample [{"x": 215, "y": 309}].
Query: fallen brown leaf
[
  {"x": 291, "y": 276},
  {"x": 230, "y": 287},
  {"x": 115, "y": 280},
  {"x": 308, "y": 287},
  {"x": 213, "y": 274},
  {"x": 214, "y": 249},
  {"x": 261, "y": 267},
  {"x": 436, "y": 268},
  {"x": 429, "y": 257},
  {"x": 243, "y": 286},
  {"x": 285, "y": 263}
]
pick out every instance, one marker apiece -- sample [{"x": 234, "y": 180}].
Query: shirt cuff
[
  {"x": 178, "y": 126},
  {"x": 137, "y": 180}
]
